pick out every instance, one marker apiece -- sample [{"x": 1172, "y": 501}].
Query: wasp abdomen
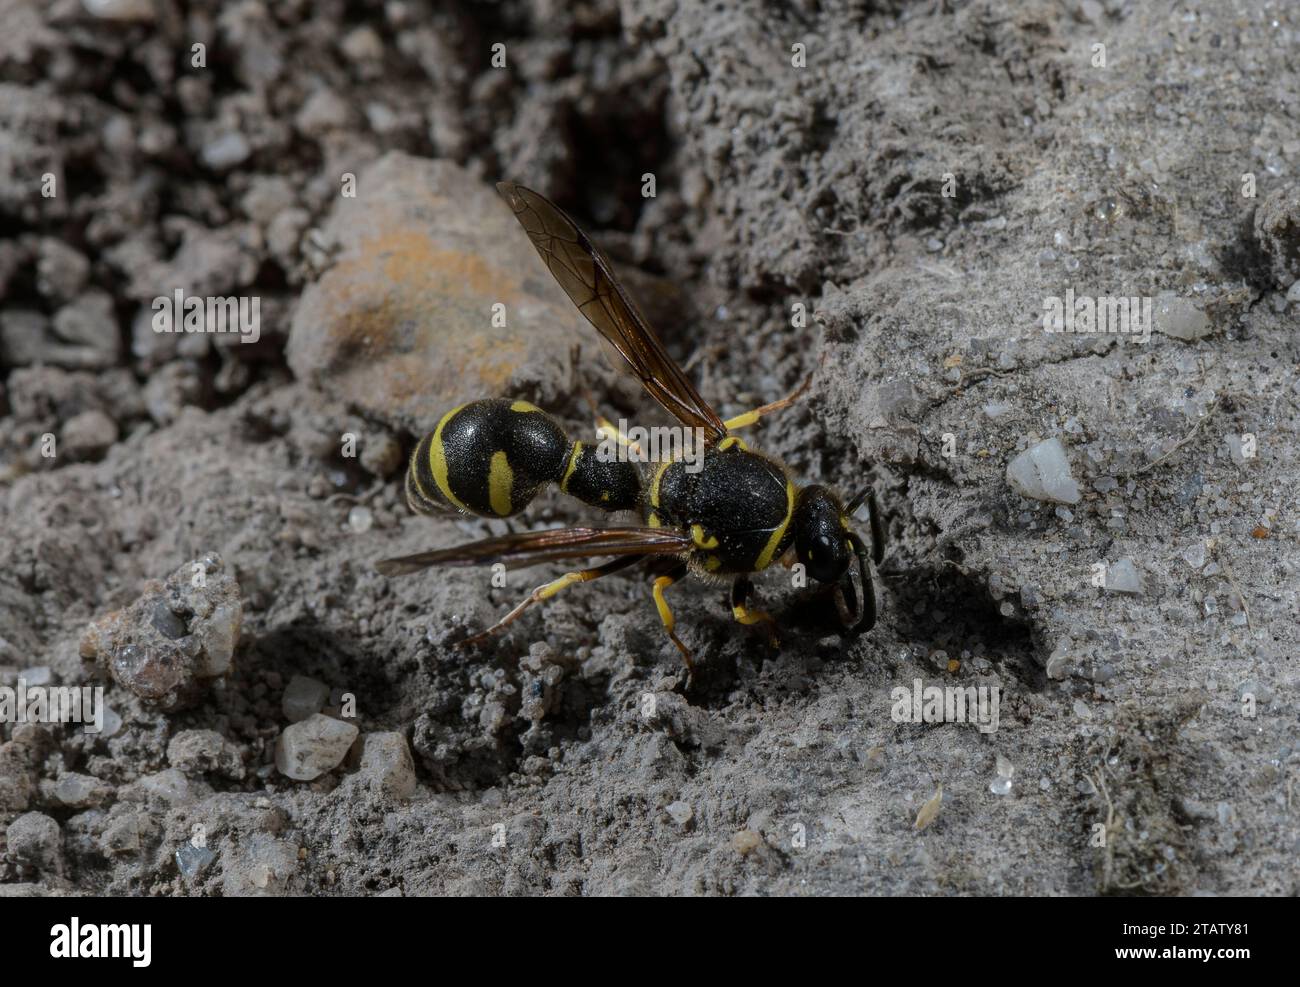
[{"x": 491, "y": 457}]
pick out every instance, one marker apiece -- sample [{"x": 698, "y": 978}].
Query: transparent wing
[
  {"x": 588, "y": 279},
  {"x": 531, "y": 547}
]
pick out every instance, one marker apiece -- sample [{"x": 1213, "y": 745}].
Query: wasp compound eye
[{"x": 821, "y": 541}]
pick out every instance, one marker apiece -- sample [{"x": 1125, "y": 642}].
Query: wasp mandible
[{"x": 734, "y": 515}]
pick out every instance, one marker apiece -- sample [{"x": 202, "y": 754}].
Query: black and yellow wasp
[{"x": 734, "y": 514}]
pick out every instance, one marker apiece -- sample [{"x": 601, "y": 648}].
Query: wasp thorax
[{"x": 821, "y": 539}]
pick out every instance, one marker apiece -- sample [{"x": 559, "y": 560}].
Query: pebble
[
  {"x": 1180, "y": 318},
  {"x": 89, "y": 434},
  {"x": 122, "y": 835},
  {"x": 61, "y": 271},
  {"x": 76, "y": 791},
  {"x": 226, "y": 151},
  {"x": 381, "y": 455},
  {"x": 196, "y": 752},
  {"x": 303, "y": 697},
  {"x": 360, "y": 519},
  {"x": 746, "y": 842},
  {"x": 1042, "y": 472},
  {"x": 35, "y": 839},
  {"x": 680, "y": 812},
  {"x": 112, "y": 723},
  {"x": 1001, "y": 785},
  {"x": 317, "y": 745},
  {"x": 258, "y": 867},
  {"x": 170, "y": 785},
  {"x": 165, "y": 660},
  {"x": 323, "y": 111},
  {"x": 192, "y": 860},
  {"x": 386, "y": 762},
  {"x": 1277, "y": 228},
  {"x": 425, "y": 251},
  {"x": 1123, "y": 577}
]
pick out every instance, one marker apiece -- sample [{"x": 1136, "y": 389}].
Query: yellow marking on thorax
[
  {"x": 769, "y": 550},
  {"x": 653, "y": 520},
  {"x": 438, "y": 462},
  {"x": 701, "y": 539},
  {"x": 524, "y": 406},
  {"x": 573, "y": 464},
  {"x": 501, "y": 480},
  {"x": 730, "y": 441}
]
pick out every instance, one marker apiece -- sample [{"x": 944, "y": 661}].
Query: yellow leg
[
  {"x": 666, "y": 615},
  {"x": 749, "y": 417},
  {"x": 740, "y": 590},
  {"x": 606, "y": 428},
  {"x": 548, "y": 590}
]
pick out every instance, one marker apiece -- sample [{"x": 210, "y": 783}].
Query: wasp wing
[
  {"x": 531, "y": 547},
  {"x": 587, "y": 277}
]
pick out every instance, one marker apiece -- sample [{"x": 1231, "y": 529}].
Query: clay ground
[{"x": 919, "y": 187}]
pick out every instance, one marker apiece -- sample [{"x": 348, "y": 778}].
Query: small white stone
[
  {"x": 680, "y": 812},
  {"x": 1180, "y": 318},
  {"x": 307, "y": 750},
  {"x": 1042, "y": 472},
  {"x": 360, "y": 520},
  {"x": 225, "y": 151},
  {"x": 1123, "y": 577}
]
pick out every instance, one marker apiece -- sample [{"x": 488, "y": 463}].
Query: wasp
[{"x": 734, "y": 514}]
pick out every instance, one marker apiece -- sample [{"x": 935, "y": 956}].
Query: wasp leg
[
  {"x": 749, "y": 417},
  {"x": 877, "y": 529},
  {"x": 740, "y": 590},
  {"x": 666, "y": 615},
  {"x": 858, "y": 615},
  {"x": 547, "y": 590},
  {"x": 607, "y": 429}
]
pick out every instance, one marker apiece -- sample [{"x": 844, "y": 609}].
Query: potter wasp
[{"x": 732, "y": 515}]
